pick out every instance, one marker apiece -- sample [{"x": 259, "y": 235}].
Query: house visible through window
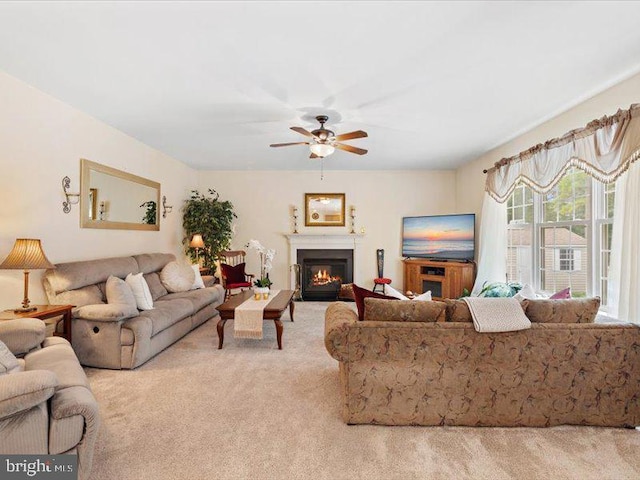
[
  {"x": 568, "y": 259},
  {"x": 561, "y": 238}
]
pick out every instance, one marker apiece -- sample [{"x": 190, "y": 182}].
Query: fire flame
[{"x": 323, "y": 277}]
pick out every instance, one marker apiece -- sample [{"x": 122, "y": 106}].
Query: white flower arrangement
[{"x": 266, "y": 262}]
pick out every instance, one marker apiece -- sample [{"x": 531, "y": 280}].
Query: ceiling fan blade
[
  {"x": 351, "y": 135},
  {"x": 287, "y": 144},
  {"x": 313, "y": 155},
  {"x": 349, "y": 148},
  {"x": 303, "y": 131}
]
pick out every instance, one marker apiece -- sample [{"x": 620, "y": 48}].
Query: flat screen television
[{"x": 441, "y": 237}]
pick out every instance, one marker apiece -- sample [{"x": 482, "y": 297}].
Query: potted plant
[
  {"x": 263, "y": 283},
  {"x": 207, "y": 215}
]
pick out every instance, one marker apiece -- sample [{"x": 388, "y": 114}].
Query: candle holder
[
  {"x": 295, "y": 219},
  {"x": 353, "y": 219}
]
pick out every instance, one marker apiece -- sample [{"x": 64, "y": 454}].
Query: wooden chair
[{"x": 232, "y": 263}]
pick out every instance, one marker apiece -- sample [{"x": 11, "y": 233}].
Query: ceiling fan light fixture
[
  {"x": 322, "y": 149},
  {"x": 323, "y": 142}
]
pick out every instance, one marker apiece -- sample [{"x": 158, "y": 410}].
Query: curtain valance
[{"x": 604, "y": 149}]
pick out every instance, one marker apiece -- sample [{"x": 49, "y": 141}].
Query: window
[
  {"x": 605, "y": 231},
  {"x": 561, "y": 238},
  {"x": 568, "y": 260},
  {"x": 520, "y": 235}
]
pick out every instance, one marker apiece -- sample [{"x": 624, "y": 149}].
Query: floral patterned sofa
[{"x": 400, "y": 368}]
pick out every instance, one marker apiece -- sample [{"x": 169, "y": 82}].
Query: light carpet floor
[{"x": 251, "y": 411}]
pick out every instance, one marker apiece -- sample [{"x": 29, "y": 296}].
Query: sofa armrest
[
  {"x": 106, "y": 312},
  {"x": 49, "y": 341},
  {"x": 76, "y": 400},
  {"x": 22, "y": 335},
  {"x": 338, "y": 319},
  {"x": 24, "y": 390}
]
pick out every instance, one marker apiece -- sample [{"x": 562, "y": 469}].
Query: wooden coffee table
[{"x": 273, "y": 311}]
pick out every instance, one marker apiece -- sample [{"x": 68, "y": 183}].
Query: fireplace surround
[
  {"x": 304, "y": 241},
  {"x": 324, "y": 271}
]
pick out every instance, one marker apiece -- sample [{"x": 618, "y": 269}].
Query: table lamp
[
  {"x": 197, "y": 242},
  {"x": 26, "y": 255}
]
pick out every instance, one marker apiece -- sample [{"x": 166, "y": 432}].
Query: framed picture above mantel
[{"x": 324, "y": 209}]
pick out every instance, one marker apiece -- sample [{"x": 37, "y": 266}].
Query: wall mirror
[
  {"x": 324, "y": 209},
  {"x": 111, "y": 198}
]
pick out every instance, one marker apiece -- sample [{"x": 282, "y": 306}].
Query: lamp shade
[
  {"x": 322, "y": 149},
  {"x": 196, "y": 241},
  {"x": 26, "y": 254}
]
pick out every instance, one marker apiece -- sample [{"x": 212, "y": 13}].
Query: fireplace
[
  {"x": 323, "y": 271},
  {"x": 327, "y": 242}
]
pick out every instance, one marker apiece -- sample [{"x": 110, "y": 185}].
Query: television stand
[{"x": 445, "y": 279}]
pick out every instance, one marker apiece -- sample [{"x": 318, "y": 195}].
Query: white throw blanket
[
  {"x": 497, "y": 314},
  {"x": 248, "y": 317}
]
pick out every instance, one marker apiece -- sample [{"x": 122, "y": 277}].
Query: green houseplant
[{"x": 207, "y": 215}]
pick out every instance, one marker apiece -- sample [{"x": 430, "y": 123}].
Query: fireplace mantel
[
  {"x": 322, "y": 240},
  {"x": 327, "y": 241}
]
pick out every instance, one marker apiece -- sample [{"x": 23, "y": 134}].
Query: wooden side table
[{"x": 44, "y": 312}]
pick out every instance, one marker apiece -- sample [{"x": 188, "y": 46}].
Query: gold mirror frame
[
  {"x": 88, "y": 197},
  {"x": 314, "y": 205}
]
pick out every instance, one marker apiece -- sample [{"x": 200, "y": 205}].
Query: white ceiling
[{"x": 435, "y": 84}]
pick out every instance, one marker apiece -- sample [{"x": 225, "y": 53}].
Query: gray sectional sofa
[{"x": 117, "y": 343}]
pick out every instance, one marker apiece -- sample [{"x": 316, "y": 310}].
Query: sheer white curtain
[
  {"x": 492, "y": 254},
  {"x": 607, "y": 149},
  {"x": 624, "y": 269}
]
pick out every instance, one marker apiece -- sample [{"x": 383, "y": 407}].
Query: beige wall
[
  {"x": 263, "y": 202},
  {"x": 470, "y": 179},
  {"x": 41, "y": 141}
]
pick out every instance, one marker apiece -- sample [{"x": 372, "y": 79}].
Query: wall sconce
[
  {"x": 71, "y": 198},
  {"x": 165, "y": 208},
  {"x": 102, "y": 212},
  {"x": 295, "y": 219},
  {"x": 353, "y": 219}
]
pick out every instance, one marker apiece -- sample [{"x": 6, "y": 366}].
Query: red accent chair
[
  {"x": 380, "y": 281},
  {"x": 233, "y": 276}
]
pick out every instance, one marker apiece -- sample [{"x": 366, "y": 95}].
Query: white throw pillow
[
  {"x": 118, "y": 292},
  {"x": 389, "y": 291},
  {"x": 198, "y": 282},
  {"x": 8, "y": 361},
  {"x": 424, "y": 297},
  {"x": 526, "y": 292},
  {"x": 140, "y": 290},
  {"x": 177, "y": 278}
]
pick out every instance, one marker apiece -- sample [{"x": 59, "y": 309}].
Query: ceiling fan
[{"x": 324, "y": 142}]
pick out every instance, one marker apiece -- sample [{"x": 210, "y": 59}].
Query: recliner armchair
[{"x": 47, "y": 407}]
